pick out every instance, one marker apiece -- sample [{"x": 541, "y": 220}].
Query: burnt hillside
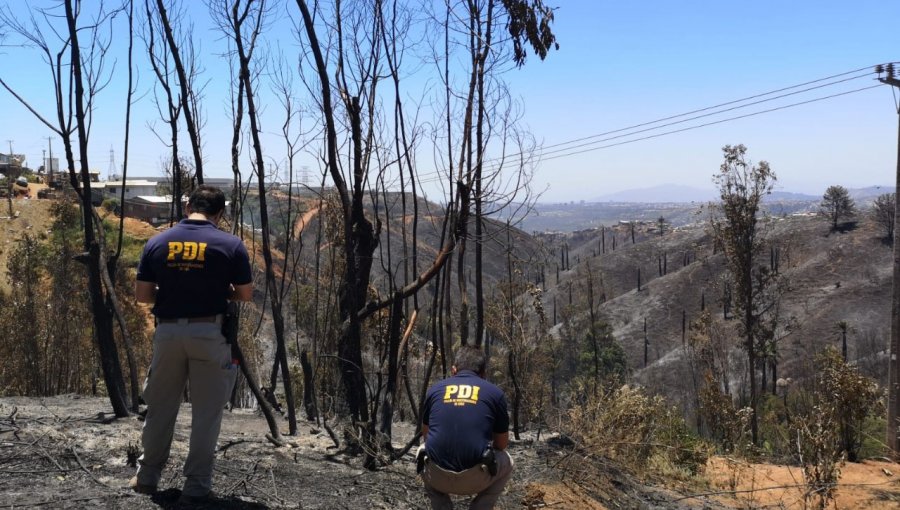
[{"x": 830, "y": 277}]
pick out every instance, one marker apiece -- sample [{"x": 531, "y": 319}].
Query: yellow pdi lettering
[
  {"x": 450, "y": 391},
  {"x": 189, "y": 250},
  {"x": 175, "y": 247}
]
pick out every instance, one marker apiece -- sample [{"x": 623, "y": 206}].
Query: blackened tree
[{"x": 883, "y": 214}]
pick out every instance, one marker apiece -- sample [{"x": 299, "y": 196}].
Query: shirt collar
[
  {"x": 466, "y": 373},
  {"x": 187, "y": 221}
]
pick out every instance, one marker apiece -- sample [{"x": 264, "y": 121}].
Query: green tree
[
  {"x": 836, "y": 204},
  {"x": 742, "y": 186},
  {"x": 883, "y": 214},
  {"x": 25, "y": 270}
]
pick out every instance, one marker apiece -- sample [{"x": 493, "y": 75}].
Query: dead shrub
[
  {"x": 728, "y": 425},
  {"x": 816, "y": 440}
]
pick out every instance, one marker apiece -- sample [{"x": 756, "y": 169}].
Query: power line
[
  {"x": 682, "y": 121},
  {"x": 727, "y": 103},
  {"x": 568, "y": 151},
  {"x": 714, "y": 122},
  {"x": 438, "y": 176}
]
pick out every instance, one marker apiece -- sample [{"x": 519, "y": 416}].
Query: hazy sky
[{"x": 620, "y": 63}]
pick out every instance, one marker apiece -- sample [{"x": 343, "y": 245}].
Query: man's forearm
[
  {"x": 145, "y": 292},
  {"x": 501, "y": 441},
  {"x": 240, "y": 292}
]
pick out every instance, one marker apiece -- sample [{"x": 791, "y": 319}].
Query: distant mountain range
[
  {"x": 677, "y": 193},
  {"x": 663, "y": 193}
]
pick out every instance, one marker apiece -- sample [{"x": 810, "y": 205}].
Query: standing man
[
  {"x": 466, "y": 429},
  {"x": 188, "y": 273}
]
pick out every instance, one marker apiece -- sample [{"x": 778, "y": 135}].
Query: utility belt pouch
[{"x": 489, "y": 460}]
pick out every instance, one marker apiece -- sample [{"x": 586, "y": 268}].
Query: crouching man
[{"x": 466, "y": 431}]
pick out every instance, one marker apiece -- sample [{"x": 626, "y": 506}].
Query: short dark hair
[
  {"x": 207, "y": 200},
  {"x": 470, "y": 358}
]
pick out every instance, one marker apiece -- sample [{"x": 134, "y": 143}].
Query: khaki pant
[
  {"x": 182, "y": 352},
  {"x": 439, "y": 483}
]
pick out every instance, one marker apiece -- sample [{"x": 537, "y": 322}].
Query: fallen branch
[
  {"x": 224, "y": 448},
  {"x": 331, "y": 434},
  {"x": 81, "y": 464},
  {"x": 59, "y": 502}
]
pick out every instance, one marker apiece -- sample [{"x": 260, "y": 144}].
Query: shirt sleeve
[
  {"x": 501, "y": 420},
  {"x": 426, "y": 409},
  {"x": 145, "y": 266},
  {"x": 241, "y": 274}
]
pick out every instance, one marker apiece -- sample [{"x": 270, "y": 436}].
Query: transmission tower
[
  {"x": 304, "y": 175},
  {"x": 111, "y": 172}
]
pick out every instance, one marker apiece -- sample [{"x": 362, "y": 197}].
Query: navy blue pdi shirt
[
  {"x": 193, "y": 264},
  {"x": 463, "y": 413}
]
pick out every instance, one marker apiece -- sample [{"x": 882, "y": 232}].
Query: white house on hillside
[{"x": 133, "y": 188}]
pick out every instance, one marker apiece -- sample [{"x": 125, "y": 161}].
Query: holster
[
  {"x": 489, "y": 460},
  {"x": 230, "y": 325},
  {"x": 420, "y": 461}
]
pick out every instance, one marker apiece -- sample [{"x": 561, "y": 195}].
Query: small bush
[
  {"x": 832, "y": 429},
  {"x": 111, "y": 205},
  {"x": 638, "y": 430},
  {"x": 131, "y": 247}
]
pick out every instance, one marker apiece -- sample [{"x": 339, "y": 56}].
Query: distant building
[
  {"x": 11, "y": 159},
  {"x": 11, "y": 162},
  {"x": 151, "y": 209},
  {"x": 133, "y": 188},
  {"x": 223, "y": 183}
]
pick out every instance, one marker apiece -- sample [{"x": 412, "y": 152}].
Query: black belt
[{"x": 189, "y": 320}]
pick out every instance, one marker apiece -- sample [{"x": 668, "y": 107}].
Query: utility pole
[
  {"x": 9, "y": 180},
  {"x": 50, "y": 161},
  {"x": 893, "y": 407}
]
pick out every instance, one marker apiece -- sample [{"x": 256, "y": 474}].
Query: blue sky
[{"x": 620, "y": 63}]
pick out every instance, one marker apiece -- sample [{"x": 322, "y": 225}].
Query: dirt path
[
  {"x": 304, "y": 220},
  {"x": 873, "y": 485}
]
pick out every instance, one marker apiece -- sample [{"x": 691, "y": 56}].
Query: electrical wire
[
  {"x": 657, "y": 135},
  {"x": 727, "y": 103},
  {"x": 682, "y": 121},
  {"x": 569, "y": 151}
]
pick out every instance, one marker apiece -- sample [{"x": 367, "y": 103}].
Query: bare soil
[
  {"x": 67, "y": 452},
  {"x": 871, "y": 484},
  {"x": 30, "y": 216}
]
